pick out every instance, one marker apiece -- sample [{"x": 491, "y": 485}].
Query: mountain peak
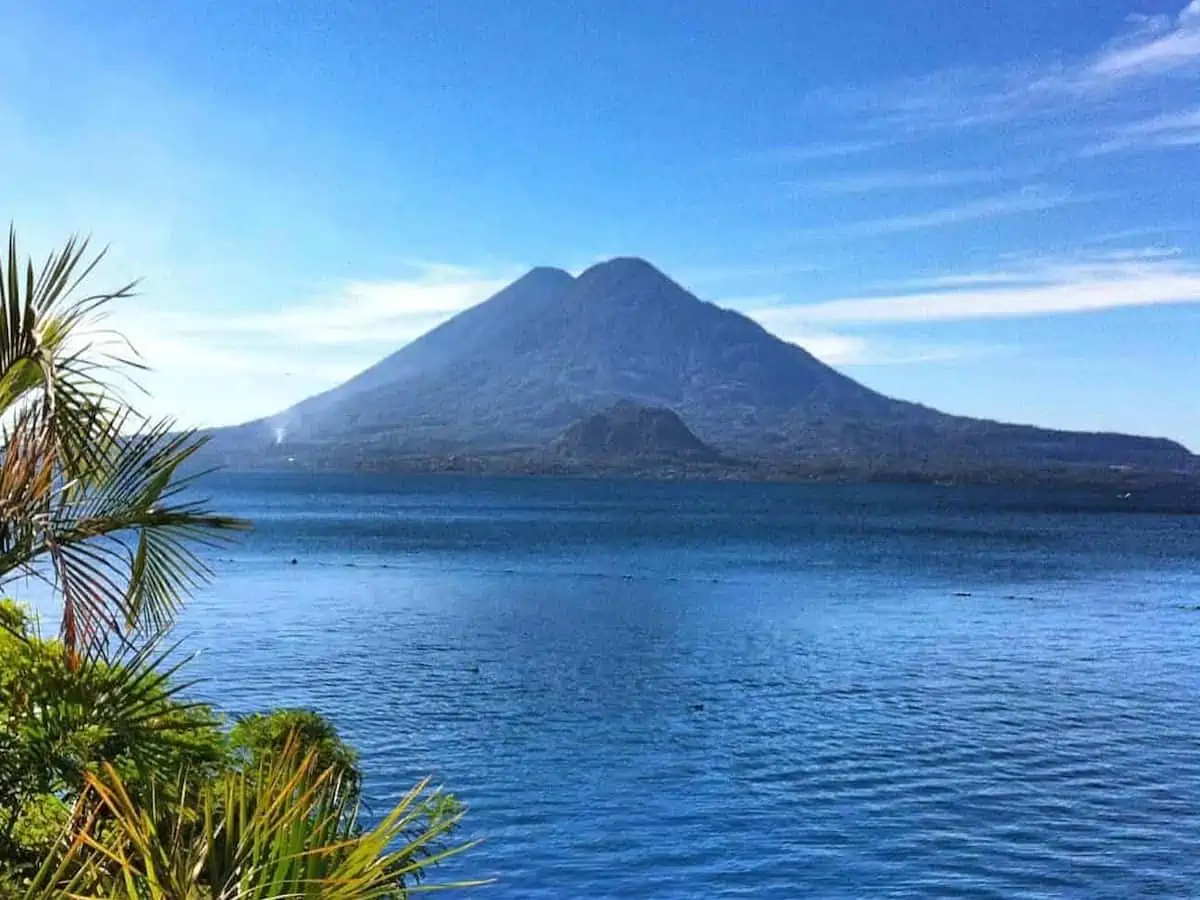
[
  {"x": 628, "y": 278},
  {"x": 623, "y": 268},
  {"x": 517, "y": 369},
  {"x": 548, "y": 276}
]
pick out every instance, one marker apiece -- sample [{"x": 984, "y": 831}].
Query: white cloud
[
  {"x": 1124, "y": 235},
  {"x": 357, "y": 312},
  {"x": 1024, "y": 201},
  {"x": 693, "y": 275},
  {"x": 853, "y": 350},
  {"x": 1047, "y": 289},
  {"x": 1179, "y": 121},
  {"x": 1176, "y": 129},
  {"x": 838, "y": 348},
  {"x": 253, "y": 363},
  {"x": 819, "y": 151},
  {"x": 1158, "y": 49},
  {"x": 1176, "y": 50},
  {"x": 1090, "y": 90},
  {"x": 834, "y": 349},
  {"x": 892, "y": 180},
  {"x": 1141, "y": 254}
]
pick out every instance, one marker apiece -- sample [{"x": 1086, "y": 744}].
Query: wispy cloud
[
  {"x": 1125, "y": 235},
  {"x": 1024, "y": 201},
  {"x": 357, "y": 313},
  {"x": 800, "y": 153},
  {"x": 829, "y": 347},
  {"x": 690, "y": 276},
  {"x": 860, "y": 351},
  {"x": 899, "y": 180},
  {"x": 297, "y": 350},
  {"x": 1176, "y": 129},
  {"x": 1048, "y": 288},
  {"x": 1055, "y": 92},
  {"x": 839, "y": 348},
  {"x": 1159, "y": 46}
]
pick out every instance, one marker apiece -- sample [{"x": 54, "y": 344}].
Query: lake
[{"x": 687, "y": 690}]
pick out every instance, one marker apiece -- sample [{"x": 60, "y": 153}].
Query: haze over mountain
[{"x": 514, "y": 372}]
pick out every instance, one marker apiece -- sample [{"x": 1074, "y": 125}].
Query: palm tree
[
  {"x": 90, "y": 494},
  {"x": 287, "y": 829},
  {"x": 92, "y": 501}
]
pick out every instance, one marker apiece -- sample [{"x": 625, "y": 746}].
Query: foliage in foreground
[
  {"x": 112, "y": 785},
  {"x": 60, "y": 719},
  {"x": 287, "y": 829}
]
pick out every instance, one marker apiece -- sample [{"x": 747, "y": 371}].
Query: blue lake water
[{"x": 681, "y": 690}]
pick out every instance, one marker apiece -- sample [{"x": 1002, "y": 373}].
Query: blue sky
[{"x": 990, "y": 208}]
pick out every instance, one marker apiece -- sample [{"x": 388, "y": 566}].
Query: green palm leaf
[
  {"x": 289, "y": 829},
  {"x": 90, "y": 498}
]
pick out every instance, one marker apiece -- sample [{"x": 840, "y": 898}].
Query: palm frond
[
  {"x": 85, "y": 483},
  {"x": 124, "y": 546},
  {"x": 121, "y": 542},
  {"x": 116, "y": 703},
  {"x": 289, "y": 829},
  {"x": 47, "y": 345}
]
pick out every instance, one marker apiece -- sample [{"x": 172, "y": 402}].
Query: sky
[{"x": 993, "y": 209}]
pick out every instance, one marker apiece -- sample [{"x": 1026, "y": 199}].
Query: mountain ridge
[{"x": 512, "y": 373}]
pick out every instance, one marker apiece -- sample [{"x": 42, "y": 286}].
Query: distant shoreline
[{"x": 1131, "y": 489}]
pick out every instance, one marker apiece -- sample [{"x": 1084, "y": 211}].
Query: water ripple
[{"x": 691, "y": 691}]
